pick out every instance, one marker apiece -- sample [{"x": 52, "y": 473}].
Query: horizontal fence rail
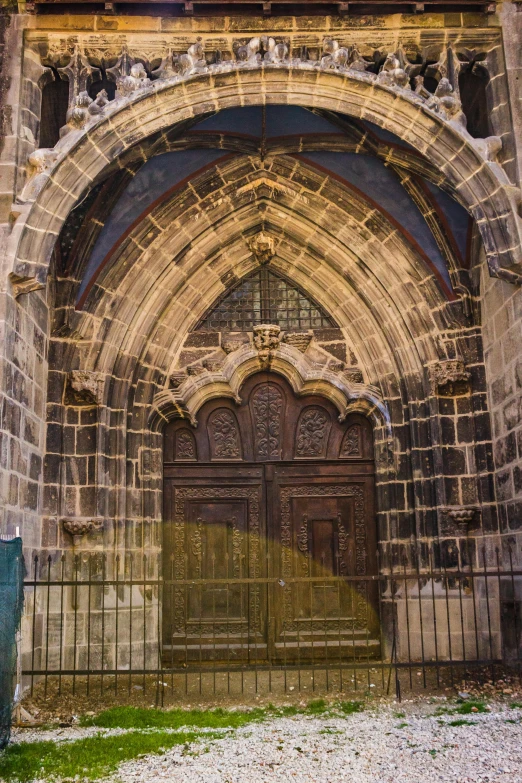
[{"x": 98, "y": 623}]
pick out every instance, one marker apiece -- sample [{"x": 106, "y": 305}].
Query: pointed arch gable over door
[{"x": 269, "y": 531}]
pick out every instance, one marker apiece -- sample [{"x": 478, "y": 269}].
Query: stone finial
[
  {"x": 299, "y": 340},
  {"x": 392, "y": 74},
  {"x": 266, "y": 340},
  {"x": 449, "y": 377},
  {"x": 78, "y": 527},
  {"x": 84, "y": 388},
  {"x": 334, "y": 56},
  {"x": 263, "y": 247},
  {"x": 274, "y": 52},
  {"x": 137, "y": 79}
]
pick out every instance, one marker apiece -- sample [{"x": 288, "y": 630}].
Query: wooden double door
[{"x": 269, "y": 531}]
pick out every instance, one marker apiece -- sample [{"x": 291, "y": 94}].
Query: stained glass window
[{"x": 265, "y": 297}]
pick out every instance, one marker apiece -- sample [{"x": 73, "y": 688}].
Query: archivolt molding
[
  {"x": 304, "y": 377},
  {"x": 433, "y": 125}
]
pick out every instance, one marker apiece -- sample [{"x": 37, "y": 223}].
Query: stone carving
[
  {"x": 137, "y": 79},
  {"x": 249, "y": 52},
  {"x": 262, "y": 246},
  {"x": 195, "y": 369},
  {"x": 334, "y": 56},
  {"x": 78, "y": 114},
  {"x": 266, "y": 339},
  {"x": 449, "y": 377},
  {"x": 351, "y": 445},
  {"x": 462, "y": 516},
  {"x": 392, "y": 74},
  {"x": 224, "y": 435},
  {"x": 185, "y": 445},
  {"x": 267, "y": 407},
  {"x": 353, "y": 375},
  {"x": 80, "y": 74},
  {"x": 80, "y": 527},
  {"x": 40, "y": 162},
  {"x": 229, "y": 346},
  {"x": 299, "y": 340},
  {"x": 446, "y": 103},
  {"x": 191, "y": 62},
  {"x": 177, "y": 378},
  {"x": 274, "y": 52},
  {"x": 84, "y": 388},
  {"x": 312, "y": 433},
  {"x": 213, "y": 365}
]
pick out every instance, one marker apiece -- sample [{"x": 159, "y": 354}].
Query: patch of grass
[
  {"x": 400, "y": 714},
  {"x": 461, "y": 722},
  {"x": 511, "y": 720},
  {"x": 349, "y": 707},
  {"x": 143, "y": 718},
  {"x": 401, "y": 725},
  {"x": 90, "y": 758},
  {"x": 470, "y": 707},
  {"x": 516, "y": 705},
  {"x": 317, "y": 706}
]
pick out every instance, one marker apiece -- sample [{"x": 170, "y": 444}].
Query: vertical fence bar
[
  {"x": 407, "y": 619},
  {"x": 60, "y": 654},
  {"x": 47, "y": 625},
  {"x": 434, "y": 608},
  {"x": 473, "y": 586},
  {"x": 131, "y": 589},
  {"x": 462, "y": 619},
  {"x": 89, "y": 623},
  {"x": 144, "y": 575},
  {"x": 490, "y": 636},
  {"x": 160, "y": 656},
  {"x": 104, "y": 575},
  {"x": 421, "y": 620},
  {"x": 116, "y": 619},
  {"x": 75, "y": 634},
  {"x": 34, "y": 623},
  {"x": 394, "y": 645},
  {"x": 513, "y": 590},
  {"x": 339, "y": 635},
  {"x": 450, "y": 651}
]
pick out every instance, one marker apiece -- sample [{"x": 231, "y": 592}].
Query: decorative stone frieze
[
  {"x": 462, "y": 516},
  {"x": 449, "y": 377},
  {"x": 84, "y": 388}
]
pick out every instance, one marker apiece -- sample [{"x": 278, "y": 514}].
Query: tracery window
[{"x": 265, "y": 297}]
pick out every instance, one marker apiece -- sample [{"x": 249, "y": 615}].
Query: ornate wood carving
[
  {"x": 267, "y": 410},
  {"x": 253, "y": 496},
  {"x": 312, "y": 432},
  {"x": 185, "y": 446},
  {"x": 224, "y": 436},
  {"x": 351, "y": 445},
  {"x": 361, "y": 555}
]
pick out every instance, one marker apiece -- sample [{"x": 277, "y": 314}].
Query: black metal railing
[{"x": 96, "y": 622}]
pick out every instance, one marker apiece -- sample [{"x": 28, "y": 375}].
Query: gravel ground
[
  {"x": 362, "y": 748},
  {"x": 374, "y": 746}
]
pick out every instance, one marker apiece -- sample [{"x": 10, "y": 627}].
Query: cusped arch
[{"x": 481, "y": 184}]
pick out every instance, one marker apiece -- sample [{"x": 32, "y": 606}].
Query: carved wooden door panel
[
  {"x": 274, "y": 486},
  {"x": 323, "y": 534},
  {"x": 214, "y": 535}
]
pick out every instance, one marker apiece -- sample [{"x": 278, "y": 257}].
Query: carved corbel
[
  {"x": 266, "y": 340},
  {"x": 449, "y": 378},
  {"x": 78, "y": 527},
  {"x": 353, "y": 375},
  {"x": 84, "y": 388},
  {"x": 40, "y": 162},
  {"x": 177, "y": 378},
  {"x": 461, "y": 516},
  {"x": 299, "y": 340}
]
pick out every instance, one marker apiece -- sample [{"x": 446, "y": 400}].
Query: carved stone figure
[
  {"x": 334, "y": 56},
  {"x": 446, "y": 103},
  {"x": 353, "y": 375},
  {"x": 99, "y": 103},
  {"x": 392, "y": 74},
  {"x": 136, "y": 80},
  {"x": 78, "y": 115},
  {"x": 229, "y": 346},
  {"x": 40, "y": 162},
  {"x": 262, "y": 246},
  {"x": 266, "y": 339},
  {"x": 250, "y": 52},
  {"x": 193, "y": 61},
  {"x": 274, "y": 52}
]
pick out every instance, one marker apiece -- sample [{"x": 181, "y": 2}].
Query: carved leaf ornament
[
  {"x": 312, "y": 433},
  {"x": 267, "y": 406},
  {"x": 224, "y": 435}
]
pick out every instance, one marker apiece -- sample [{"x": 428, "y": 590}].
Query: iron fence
[{"x": 96, "y": 622}]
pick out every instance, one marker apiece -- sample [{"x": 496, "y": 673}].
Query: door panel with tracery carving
[{"x": 266, "y": 559}]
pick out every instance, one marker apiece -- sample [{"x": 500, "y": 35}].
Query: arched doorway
[{"x": 269, "y": 531}]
